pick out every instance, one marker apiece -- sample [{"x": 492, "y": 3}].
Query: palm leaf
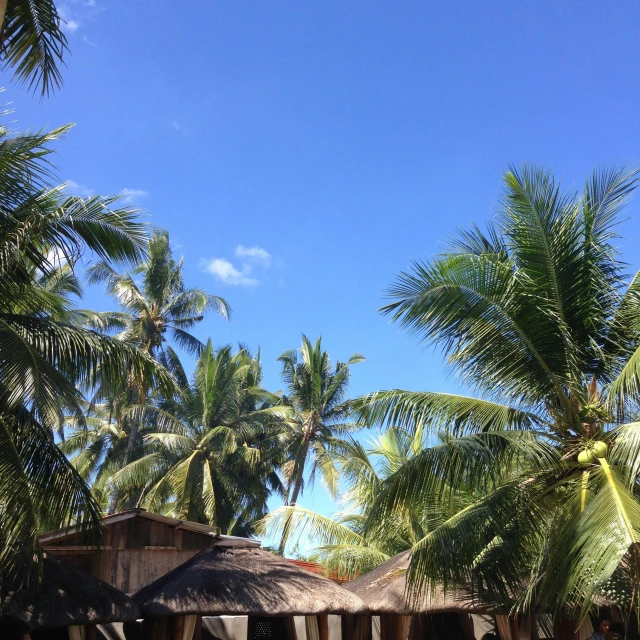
[
  {"x": 435, "y": 411},
  {"x": 34, "y": 44}
]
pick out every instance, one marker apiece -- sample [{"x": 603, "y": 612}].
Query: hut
[
  {"x": 67, "y": 604},
  {"x": 452, "y": 615},
  {"x": 237, "y": 578},
  {"x": 138, "y": 547}
]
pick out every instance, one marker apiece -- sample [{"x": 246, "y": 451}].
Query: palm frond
[
  {"x": 34, "y": 44},
  {"x": 432, "y": 412},
  {"x": 138, "y": 473},
  {"x": 348, "y": 561},
  {"x": 39, "y": 489},
  {"x": 304, "y": 524}
]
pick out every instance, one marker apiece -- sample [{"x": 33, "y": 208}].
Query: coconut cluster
[{"x": 594, "y": 449}]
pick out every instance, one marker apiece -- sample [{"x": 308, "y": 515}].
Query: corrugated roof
[{"x": 314, "y": 567}]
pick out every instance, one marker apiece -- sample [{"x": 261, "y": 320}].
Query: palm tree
[
  {"x": 96, "y": 445},
  {"x": 344, "y": 544},
  {"x": 316, "y": 392},
  {"x": 215, "y": 451},
  {"x": 33, "y": 44},
  {"x": 538, "y": 316},
  {"x": 41, "y": 355},
  {"x": 160, "y": 305}
]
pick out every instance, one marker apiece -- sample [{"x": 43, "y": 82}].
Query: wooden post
[
  {"x": 515, "y": 628},
  {"x": 364, "y": 628},
  {"x": 156, "y": 629},
  {"x": 402, "y": 627},
  {"x": 323, "y": 626},
  {"x": 389, "y": 626},
  {"x": 418, "y": 627},
  {"x": 526, "y": 626},
  {"x": 566, "y": 630},
  {"x": 348, "y": 624},
  {"x": 197, "y": 634},
  {"x": 178, "y": 627}
]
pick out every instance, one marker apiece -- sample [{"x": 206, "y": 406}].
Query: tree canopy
[
  {"x": 44, "y": 233},
  {"x": 538, "y": 315}
]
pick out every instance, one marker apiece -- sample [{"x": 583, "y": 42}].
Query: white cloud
[
  {"x": 176, "y": 125},
  {"x": 224, "y": 271},
  {"x": 75, "y": 189},
  {"x": 76, "y": 14},
  {"x": 70, "y": 25},
  {"x": 128, "y": 196},
  {"x": 86, "y": 40},
  {"x": 132, "y": 195},
  {"x": 250, "y": 258},
  {"x": 256, "y": 253},
  {"x": 56, "y": 257},
  {"x": 69, "y": 22}
]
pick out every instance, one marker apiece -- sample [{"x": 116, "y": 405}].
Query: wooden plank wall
[{"x": 136, "y": 552}]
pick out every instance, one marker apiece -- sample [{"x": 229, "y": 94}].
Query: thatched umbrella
[
  {"x": 68, "y": 597},
  {"x": 384, "y": 589},
  {"x": 233, "y": 578}
]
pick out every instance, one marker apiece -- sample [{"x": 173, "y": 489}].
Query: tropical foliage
[
  {"x": 43, "y": 234},
  {"x": 315, "y": 390},
  {"x": 158, "y": 305},
  {"x": 96, "y": 445},
  {"x": 537, "y": 314},
  {"x": 214, "y": 451},
  {"x": 343, "y": 543},
  {"x": 33, "y": 43},
  {"x": 527, "y": 493}
]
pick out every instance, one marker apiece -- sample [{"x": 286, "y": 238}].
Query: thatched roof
[
  {"x": 384, "y": 591},
  {"x": 235, "y": 579},
  {"x": 68, "y": 597}
]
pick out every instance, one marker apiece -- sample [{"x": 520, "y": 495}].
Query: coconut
[
  {"x": 600, "y": 449},
  {"x": 585, "y": 457}
]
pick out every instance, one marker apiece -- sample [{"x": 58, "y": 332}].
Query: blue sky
[{"x": 341, "y": 139}]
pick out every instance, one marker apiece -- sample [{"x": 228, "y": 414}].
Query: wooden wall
[{"x": 136, "y": 552}]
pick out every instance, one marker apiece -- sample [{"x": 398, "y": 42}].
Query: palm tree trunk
[
  {"x": 133, "y": 436},
  {"x": 296, "y": 490},
  {"x": 3, "y": 10},
  {"x": 113, "y": 502},
  {"x": 116, "y": 493},
  {"x": 298, "y": 474},
  {"x": 294, "y": 496}
]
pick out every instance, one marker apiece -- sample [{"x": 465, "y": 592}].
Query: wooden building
[{"x": 139, "y": 547}]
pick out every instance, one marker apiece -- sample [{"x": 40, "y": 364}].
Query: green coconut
[
  {"x": 585, "y": 457},
  {"x": 600, "y": 449}
]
